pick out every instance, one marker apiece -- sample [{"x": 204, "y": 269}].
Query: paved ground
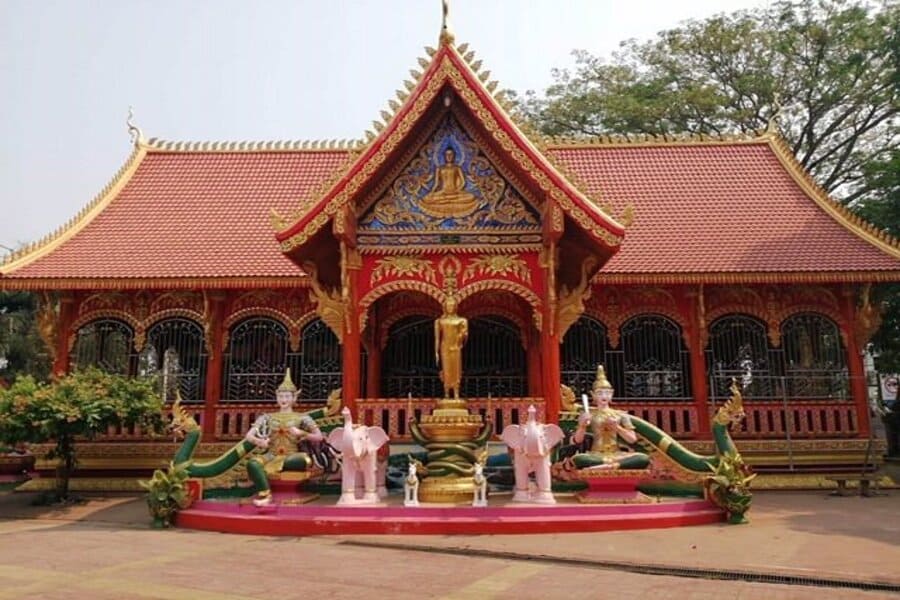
[{"x": 104, "y": 549}]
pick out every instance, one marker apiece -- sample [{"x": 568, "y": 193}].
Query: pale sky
[{"x": 250, "y": 70}]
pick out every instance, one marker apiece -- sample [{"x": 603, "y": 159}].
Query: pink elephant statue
[
  {"x": 532, "y": 444},
  {"x": 358, "y": 445}
]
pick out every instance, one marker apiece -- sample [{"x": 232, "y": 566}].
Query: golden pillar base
[
  {"x": 453, "y": 490},
  {"x": 452, "y": 438}
]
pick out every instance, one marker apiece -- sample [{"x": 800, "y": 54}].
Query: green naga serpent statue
[
  {"x": 724, "y": 475},
  {"x": 265, "y": 428}
]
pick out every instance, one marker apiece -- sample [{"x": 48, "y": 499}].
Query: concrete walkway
[{"x": 104, "y": 549}]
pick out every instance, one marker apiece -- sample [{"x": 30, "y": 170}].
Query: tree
[
  {"x": 882, "y": 207},
  {"x": 78, "y": 406},
  {"x": 21, "y": 348},
  {"x": 831, "y": 66}
]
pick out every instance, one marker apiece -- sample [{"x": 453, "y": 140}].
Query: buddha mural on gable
[{"x": 449, "y": 185}]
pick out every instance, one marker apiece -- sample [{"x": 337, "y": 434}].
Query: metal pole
[{"x": 789, "y": 423}]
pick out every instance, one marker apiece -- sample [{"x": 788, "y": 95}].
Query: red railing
[
  {"x": 764, "y": 420},
  {"x": 800, "y": 419}
]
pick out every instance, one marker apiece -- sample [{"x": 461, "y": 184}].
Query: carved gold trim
[
  {"x": 730, "y": 278},
  {"x": 136, "y": 283}
]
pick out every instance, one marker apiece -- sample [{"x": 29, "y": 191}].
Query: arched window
[
  {"x": 257, "y": 356},
  {"x": 738, "y": 348},
  {"x": 186, "y": 338},
  {"x": 815, "y": 363},
  {"x": 585, "y": 346},
  {"x": 494, "y": 360},
  {"x": 107, "y": 344},
  {"x": 407, "y": 363},
  {"x": 656, "y": 363},
  {"x": 321, "y": 361}
]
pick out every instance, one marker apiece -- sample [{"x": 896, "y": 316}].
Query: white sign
[{"x": 889, "y": 386}]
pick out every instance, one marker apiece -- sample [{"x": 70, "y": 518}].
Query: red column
[
  {"x": 351, "y": 344},
  {"x": 213, "y": 392},
  {"x": 855, "y": 366},
  {"x": 699, "y": 385}
]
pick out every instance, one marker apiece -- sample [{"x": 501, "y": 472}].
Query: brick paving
[{"x": 104, "y": 549}]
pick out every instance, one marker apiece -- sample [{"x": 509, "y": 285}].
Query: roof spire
[
  {"x": 137, "y": 136},
  {"x": 446, "y": 36}
]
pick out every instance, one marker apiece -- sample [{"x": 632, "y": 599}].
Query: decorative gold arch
[
  {"x": 505, "y": 286},
  {"x": 614, "y": 322},
  {"x": 95, "y": 315},
  {"x": 832, "y": 314},
  {"x": 410, "y": 285},
  {"x": 757, "y": 312}
]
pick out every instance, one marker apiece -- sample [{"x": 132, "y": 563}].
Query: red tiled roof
[
  {"x": 699, "y": 208},
  {"x": 192, "y": 214},
  {"x": 713, "y": 208}
]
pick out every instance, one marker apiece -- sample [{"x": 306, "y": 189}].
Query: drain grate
[{"x": 643, "y": 569}]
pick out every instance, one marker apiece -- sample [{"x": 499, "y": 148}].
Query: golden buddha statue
[
  {"x": 609, "y": 428},
  {"x": 448, "y": 197},
  {"x": 450, "y": 334}
]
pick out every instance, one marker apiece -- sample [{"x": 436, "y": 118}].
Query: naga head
[
  {"x": 733, "y": 409},
  {"x": 182, "y": 422}
]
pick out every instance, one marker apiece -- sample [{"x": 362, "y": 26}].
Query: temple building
[{"x": 678, "y": 262}]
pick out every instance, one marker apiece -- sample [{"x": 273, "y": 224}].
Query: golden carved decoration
[
  {"x": 571, "y": 300},
  {"x": 47, "y": 318},
  {"x": 867, "y": 317},
  {"x": 567, "y": 399},
  {"x": 329, "y": 303},
  {"x": 377, "y": 154},
  {"x": 498, "y": 264},
  {"x": 403, "y": 266}
]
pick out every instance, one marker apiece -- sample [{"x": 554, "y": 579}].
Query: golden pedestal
[{"x": 452, "y": 437}]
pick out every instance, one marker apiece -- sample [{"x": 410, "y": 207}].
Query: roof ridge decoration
[
  {"x": 840, "y": 213},
  {"x": 35, "y": 250},
  {"x": 332, "y": 145},
  {"x": 457, "y": 68},
  {"x": 648, "y": 139}
]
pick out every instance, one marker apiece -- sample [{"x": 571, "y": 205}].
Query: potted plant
[{"x": 166, "y": 494}]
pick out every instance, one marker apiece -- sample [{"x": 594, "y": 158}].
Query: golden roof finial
[
  {"x": 601, "y": 383},
  {"x": 137, "y": 136},
  {"x": 446, "y": 36}
]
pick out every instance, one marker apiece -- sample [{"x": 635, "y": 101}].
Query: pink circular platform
[{"x": 323, "y": 518}]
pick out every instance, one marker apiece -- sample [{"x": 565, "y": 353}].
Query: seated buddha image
[{"x": 448, "y": 197}]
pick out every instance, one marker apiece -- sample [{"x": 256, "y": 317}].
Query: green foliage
[
  {"x": 832, "y": 66},
  {"x": 166, "y": 493},
  {"x": 882, "y": 208},
  {"x": 78, "y": 406},
  {"x": 20, "y": 343},
  {"x": 729, "y": 486}
]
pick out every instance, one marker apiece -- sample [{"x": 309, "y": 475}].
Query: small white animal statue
[
  {"x": 358, "y": 445},
  {"x": 411, "y": 486},
  {"x": 480, "y": 494},
  {"x": 532, "y": 444}
]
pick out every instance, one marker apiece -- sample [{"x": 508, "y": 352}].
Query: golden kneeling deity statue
[
  {"x": 448, "y": 198},
  {"x": 611, "y": 430}
]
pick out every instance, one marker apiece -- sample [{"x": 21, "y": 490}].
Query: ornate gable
[{"x": 449, "y": 189}]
